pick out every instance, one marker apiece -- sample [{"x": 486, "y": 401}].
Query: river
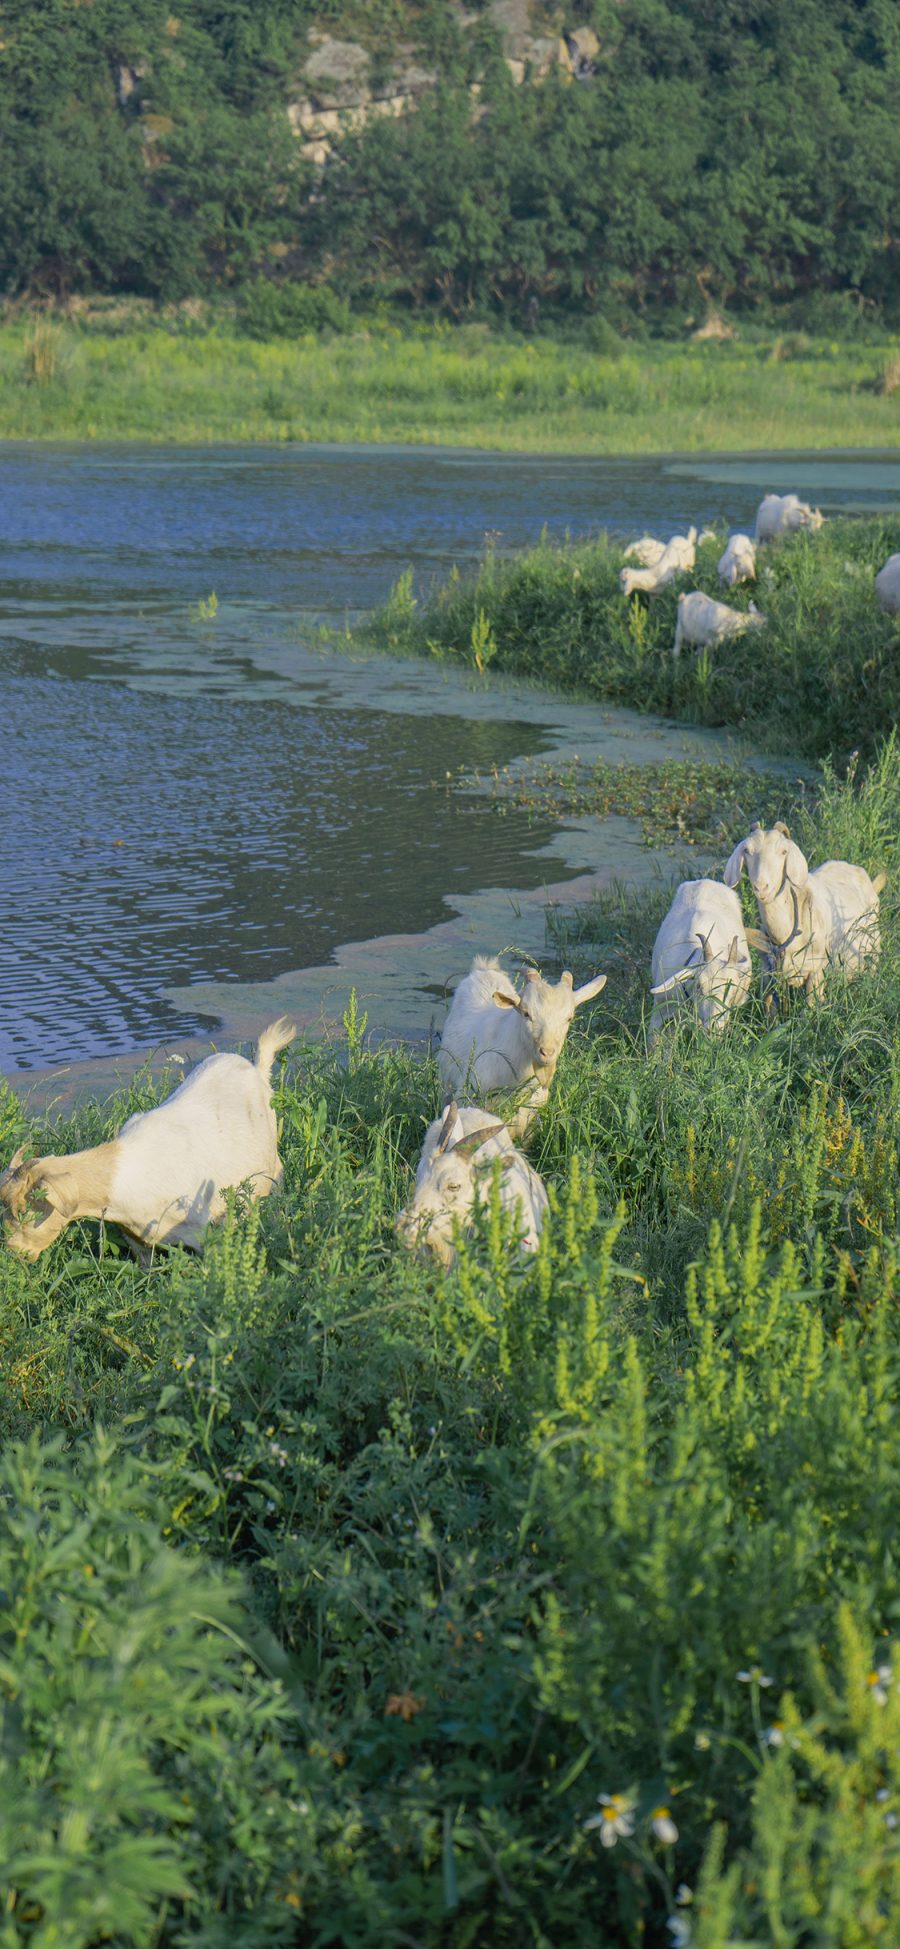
[{"x": 206, "y": 815}]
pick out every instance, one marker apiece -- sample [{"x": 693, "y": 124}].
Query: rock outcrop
[{"x": 339, "y": 94}]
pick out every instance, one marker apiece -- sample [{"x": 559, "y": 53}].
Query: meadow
[
  {"x": 347, "y": 1602},
  {"x": 128, "y": 373}
]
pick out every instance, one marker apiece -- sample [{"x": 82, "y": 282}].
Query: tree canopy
[{"x": 728, "y": 152}]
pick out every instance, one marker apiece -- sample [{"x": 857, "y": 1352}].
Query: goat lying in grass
[
  {"x": 829, "y": 916},
  {"x": 496, "y": 1039},
  {"x": 454, "y": 1171},
  {"x": 701, "y": 956},
  {"x": 645, "y": 552},
  {"x": 163, "y": 1177},
  {"x": 678, "y": 555}
]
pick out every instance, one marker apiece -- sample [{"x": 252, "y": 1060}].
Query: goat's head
[
  {"x": 772, "y": 860},
  {"x": 41, "y": 1197},
  {"x": 717, "y": 981},
  {"x": 447, "y": 1183},
  {"x": 546, "y": 1009}
]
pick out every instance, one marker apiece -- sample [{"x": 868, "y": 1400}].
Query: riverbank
[
  {"x": 562, "y": 1587},
  {"x": 453, "y": 386},
  {"x": 822, "y": 679}
]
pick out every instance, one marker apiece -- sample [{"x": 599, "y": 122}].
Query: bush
[{"x": 279, "y": 310}]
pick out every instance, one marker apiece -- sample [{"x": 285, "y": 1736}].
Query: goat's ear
[
  {"x": 674, "y": 981},
  {"x": 735, "y": 865},
  {"x": 589, "y": 989},
  {"x": 505, "y": 1001},
  {"x": 795, "y": 866},
  {"x": 446, "y": 1130},
  {"x": 756, "y": 938},
  {"x": 60, "y": 1191}
]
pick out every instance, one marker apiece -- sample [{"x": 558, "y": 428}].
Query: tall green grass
[
  {"x": 335, "y": 1590},
  {"x": 823, "y": 677},
  {"x": 182, "y": 381}
]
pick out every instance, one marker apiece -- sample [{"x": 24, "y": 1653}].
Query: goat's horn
[
  {"x": 565, "y": 979},
  {"x": 446, "y": 1130},
  {"x": 781, "y": 827},
  {"x": 706, "y": 946},
  {"x": 467, "y": 1146}
]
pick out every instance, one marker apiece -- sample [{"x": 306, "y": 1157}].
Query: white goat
[
  {"x": 701, "y": 956},
  {"x": 887, "y": 586},
  {"x": 738, "y": 563},
  {"x": 678, "y": 555},
  {"x": 701, "y": 619},
  {"x": 163, "y": 1176},
  {"x": 645, "y": 552},
  {"x": 454, "y": 1172},
  {"x": 811, "y": 919},
  {"x": 496, "y": 1039},
  {"x": 783, "y": 514}
]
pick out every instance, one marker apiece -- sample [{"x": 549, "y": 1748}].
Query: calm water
[{"x": 193, "y": 801}]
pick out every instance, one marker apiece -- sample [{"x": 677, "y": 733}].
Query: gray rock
[
  {"x": 512, "y": 20},
  {"x": 337, "y": 74}
]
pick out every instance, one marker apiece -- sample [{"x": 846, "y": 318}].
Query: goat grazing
[
  {"x": 163, "y": 1177},
  {"x": 457, "y": 1156},
  {"x": 645, "y": 552},
  {"x": 738, "y": 562},
  {"x": 783, "y": 514},
  {"x": 887, "y": 586},
  {"x": 678, "y": 555},
  {"x": 496, "y": 1039},
  {"x": 701, "y": 956},
  {"x": 702, "y": 620},
  {"x": 810, "y": 919}
]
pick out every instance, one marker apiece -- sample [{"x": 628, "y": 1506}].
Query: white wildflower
[
  {"x": 755, "y": 1676},
  {"x": 616, "y": 1817},
  {"x": 664, "y": 1826}
]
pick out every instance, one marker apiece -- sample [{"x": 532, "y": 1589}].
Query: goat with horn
[
  {"x": 458, "y": 1155},
  {"x": 701, "y": 957},
  {"x": 495, "y": 1040},
  {"x": 811, "y": 919}
]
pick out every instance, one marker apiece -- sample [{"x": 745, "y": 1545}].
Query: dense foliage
[
  {"x": 334, "y": 1591},
  {"x": 740, "y": 154},
  {"x": 822, "y": 678}
]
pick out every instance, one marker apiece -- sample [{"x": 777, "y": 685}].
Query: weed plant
[
  {"x": 823, "y": 678},
  {"x": 348, "y": 1602},
  {"x": 172, "y": 376}
]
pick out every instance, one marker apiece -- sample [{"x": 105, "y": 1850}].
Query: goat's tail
[
  {"x": 275, "y": 1037},
  {"x": 880, "y": 882}
]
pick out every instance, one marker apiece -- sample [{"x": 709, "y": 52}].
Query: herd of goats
[{"x": 163, "y": 1178}]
